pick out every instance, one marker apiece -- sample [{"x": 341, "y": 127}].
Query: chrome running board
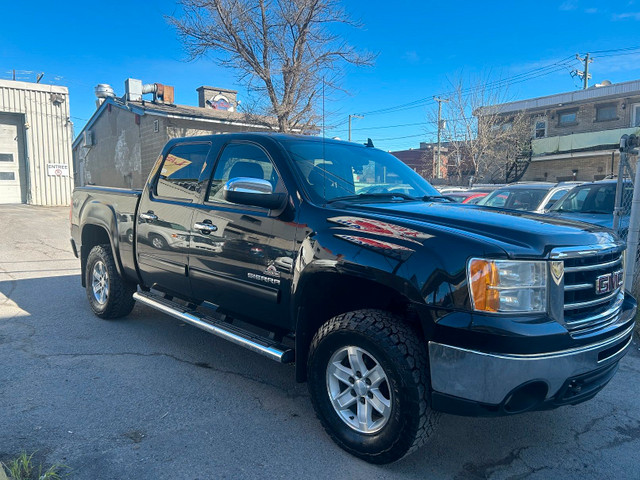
[{"x": 256, "y": 343}]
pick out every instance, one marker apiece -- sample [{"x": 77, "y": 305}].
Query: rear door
[
  {"x": 241, "y": 256},
  {"x": 164, "y": 218}
]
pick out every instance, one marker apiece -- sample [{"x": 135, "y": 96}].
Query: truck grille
[{"x": 593, "y": 291}]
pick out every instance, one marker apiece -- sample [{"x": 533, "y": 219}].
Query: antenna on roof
[{"x": 369, "y": 143}]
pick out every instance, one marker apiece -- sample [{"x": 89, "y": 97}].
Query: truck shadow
[{"x": 203, "y": 384}]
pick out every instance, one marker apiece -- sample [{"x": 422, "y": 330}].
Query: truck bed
[{"x": 113, "y": 208}]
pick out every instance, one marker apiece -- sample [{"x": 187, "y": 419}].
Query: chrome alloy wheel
[
  {"x": 157, "y": 242},
  {"x": 359, "y": 389},
  {"x": 100, "y": 282}
]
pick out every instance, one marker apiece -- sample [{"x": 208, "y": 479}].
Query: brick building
[
  {"x": 423, "y": 160},
  {"x": 575, "y": 135},
  {"x": 123, "y": 138}
]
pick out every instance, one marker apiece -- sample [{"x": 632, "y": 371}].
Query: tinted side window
[
  {"x": 241, "y": 160},
  {"x": 180, "y": 172}
]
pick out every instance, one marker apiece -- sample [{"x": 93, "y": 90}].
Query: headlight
[{"x": 507, "y": 285}]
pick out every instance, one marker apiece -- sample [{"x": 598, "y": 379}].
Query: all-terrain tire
[
  {"x": 109, "y": 295},
  {"x": 382, "y": 340}
]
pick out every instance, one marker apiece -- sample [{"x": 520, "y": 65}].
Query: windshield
[
  {"x": 335, "y": 170},
  {"x": 515, "y": 198},
  {"x": 592, "y": 198}
]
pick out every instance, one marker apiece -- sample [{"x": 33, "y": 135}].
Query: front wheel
[
  {"x": 368, "y": 379},
  {"x": 109, "y": 295}
]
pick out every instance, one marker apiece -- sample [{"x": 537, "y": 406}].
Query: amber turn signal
[{"x": 483, "y": 279}]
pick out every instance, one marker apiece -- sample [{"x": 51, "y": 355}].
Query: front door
[
  {"x": 238, "y": 259},
  {"x": 164, "y": 219},
  {"x": 12, "y": 166}
]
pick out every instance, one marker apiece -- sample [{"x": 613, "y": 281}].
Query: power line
[
  {"x": 381, "y": 127},
  {"x": 616, "y": 50},
  {"x": 530, "y": 74},
  {"x": 404, "y": 136}
]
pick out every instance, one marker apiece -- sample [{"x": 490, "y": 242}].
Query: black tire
[
  {"x": 390, "y": 342},
  {"x": 110, "y": 296}
]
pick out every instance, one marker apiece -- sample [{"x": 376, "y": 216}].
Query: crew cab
[{"x": 393, "y": 302}]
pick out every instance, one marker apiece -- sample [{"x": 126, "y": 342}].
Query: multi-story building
[{"x": 576, "y": 135}]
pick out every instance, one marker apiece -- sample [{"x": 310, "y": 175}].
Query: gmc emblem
[{"x": 609, "y": 282}]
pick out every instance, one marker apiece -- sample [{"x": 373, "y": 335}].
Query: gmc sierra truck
[{"x": 393, "y": 303}]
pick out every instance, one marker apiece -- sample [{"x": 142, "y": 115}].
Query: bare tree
[
  {"x": 283, "y": 50},
  {"x": 480, "y": 139}
]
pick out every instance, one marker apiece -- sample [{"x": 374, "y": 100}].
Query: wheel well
[
  {"x": 330, "y": 294},
  {"x": 92, "y": 235}
]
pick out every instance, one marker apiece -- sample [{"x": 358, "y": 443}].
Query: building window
[
  {"x": 635, "y": 115},
  {"x": 568, "y": 117},
  {"x": 606, "y": 112},
  {"x": 504, "y": 126},
  {"x": 156, "y": 126},
  {"x": 540, "y": 129}
]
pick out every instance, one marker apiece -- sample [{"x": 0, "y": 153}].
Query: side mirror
[{"x": 253, "y": 191}]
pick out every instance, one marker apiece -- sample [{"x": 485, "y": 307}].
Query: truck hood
[{"x": 520, "y": 234}]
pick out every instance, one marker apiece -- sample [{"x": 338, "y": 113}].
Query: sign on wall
[{"x": 57, "y": 170}]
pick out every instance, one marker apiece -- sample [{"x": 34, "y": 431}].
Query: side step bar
[{"x": 239, "y": 336}]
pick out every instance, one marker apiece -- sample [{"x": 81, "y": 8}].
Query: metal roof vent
[{"x": 102, "y": 91}]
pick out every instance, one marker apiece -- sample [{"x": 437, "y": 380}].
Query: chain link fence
[{"x": 626, "y": 214}]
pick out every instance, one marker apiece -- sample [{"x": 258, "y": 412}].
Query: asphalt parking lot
[{"x": 148, "y": 397}]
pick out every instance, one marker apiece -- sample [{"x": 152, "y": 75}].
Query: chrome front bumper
[{"x": 489, "y": 378}]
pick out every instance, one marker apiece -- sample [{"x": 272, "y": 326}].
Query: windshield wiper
[
  {"x": 373, "y": 196},
  {"x": 431, "y": 198}
]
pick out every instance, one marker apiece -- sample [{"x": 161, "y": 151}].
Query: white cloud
[
  {"x": 626, "y": 16},
  {"x": 568, "y": 5},
  {"x": 411, "y": 56}
]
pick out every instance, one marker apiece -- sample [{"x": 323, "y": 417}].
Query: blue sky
[{"x": 419, "y": 44}]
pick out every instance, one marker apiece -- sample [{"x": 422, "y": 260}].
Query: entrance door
[{"x": 12, "y": 172}]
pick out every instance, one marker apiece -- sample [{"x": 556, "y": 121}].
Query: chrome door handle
[
  {"x": 149, "y": 216},
  {"x": 205, "y": 227}
]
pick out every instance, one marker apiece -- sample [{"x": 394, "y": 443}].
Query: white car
[{"x": 531, "y": 197}]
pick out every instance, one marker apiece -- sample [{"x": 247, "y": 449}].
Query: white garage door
[{"x": 12, "y": 172}]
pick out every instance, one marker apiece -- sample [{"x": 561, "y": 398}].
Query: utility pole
[
  {"x": 585, "y": 75},
  {"x": 350, "y": 117},
  {"x": 437, "y": 162}
]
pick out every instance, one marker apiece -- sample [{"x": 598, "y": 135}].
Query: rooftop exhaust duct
[{"x": 135, "y": 89}]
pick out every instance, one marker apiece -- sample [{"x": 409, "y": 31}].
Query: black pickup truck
[{"x": 393, "y": 303}]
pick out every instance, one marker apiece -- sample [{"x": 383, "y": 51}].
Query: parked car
[
  {"x": 469, "y": 197},
  {"x": 391, "y": 306},
  {"x": 594, "y": 203},
  {"x": 532, "y": 197},
  {"x": 445, "y": 190}
]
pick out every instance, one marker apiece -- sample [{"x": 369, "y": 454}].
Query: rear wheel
[
  {"x": 109, "y": 295},
  {"x": 368, "y": 380}
]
